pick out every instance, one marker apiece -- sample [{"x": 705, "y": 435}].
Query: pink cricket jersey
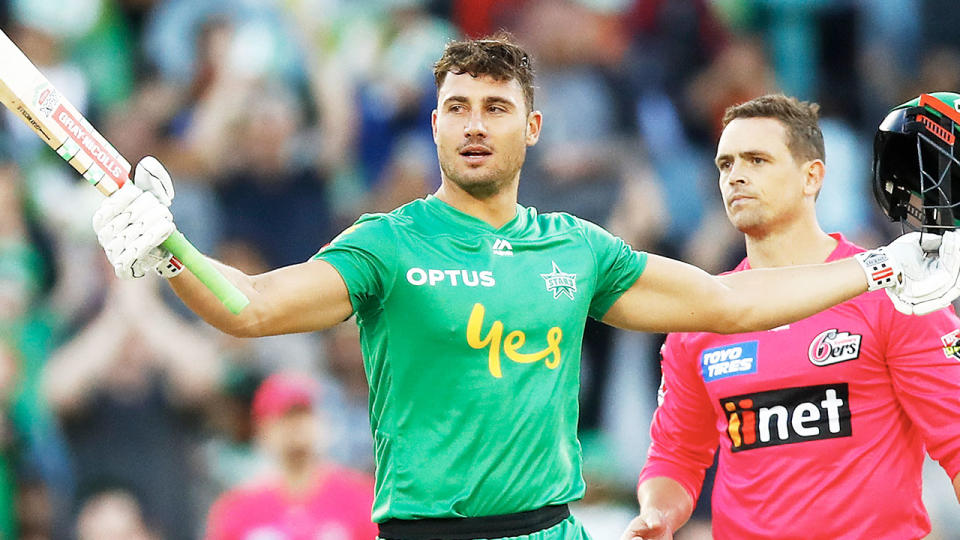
[
  {"x": 821, "y": 424},
  {"x": 336, "y": 508}
]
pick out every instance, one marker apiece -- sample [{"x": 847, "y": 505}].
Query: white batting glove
[
  {"x": 150, "y": 175},
  {"x": 130, "y": 225},
  {"x": 925, "y": 271}
]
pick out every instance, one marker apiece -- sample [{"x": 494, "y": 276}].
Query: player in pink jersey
[
  {"x": 822, "y": 423},
  {"x": 307, "y": 498}
]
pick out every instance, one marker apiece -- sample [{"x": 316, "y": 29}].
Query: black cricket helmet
[{"x": 916, "y": 171}]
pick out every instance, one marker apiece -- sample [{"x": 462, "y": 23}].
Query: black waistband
[{"x": 501, "y": 526}]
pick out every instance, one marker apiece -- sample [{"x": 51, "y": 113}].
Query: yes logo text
[{"x": 511, "y": 343}]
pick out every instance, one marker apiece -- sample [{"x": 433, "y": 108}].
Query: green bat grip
[{"x": 220, "y": 286}]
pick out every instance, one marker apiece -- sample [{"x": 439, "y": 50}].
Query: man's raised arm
[
  {"x": 299, "y": 298},
  {"x": 671, "y": 296},
  {"x": 130, "y": 225}
]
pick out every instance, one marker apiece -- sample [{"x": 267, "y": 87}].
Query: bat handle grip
[{"x": 200, "y": 266}]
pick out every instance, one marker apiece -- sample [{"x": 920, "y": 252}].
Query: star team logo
[{"x": 559, "y": 282}]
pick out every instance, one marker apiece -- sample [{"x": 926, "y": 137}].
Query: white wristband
[
  {"x": 880, "y": 269},
  {"x": 169, "y": 268}
]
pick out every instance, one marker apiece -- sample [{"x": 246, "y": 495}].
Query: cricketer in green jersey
[
  {"x": 472, "y": 307},
  {"x": 471, "y": 342}
]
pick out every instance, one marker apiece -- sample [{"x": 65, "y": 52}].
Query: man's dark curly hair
[{"x": 497, "y": 56}]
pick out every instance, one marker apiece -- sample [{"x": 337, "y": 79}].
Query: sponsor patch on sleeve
[
  {"x": 951, "y": 344},
  {"x": 729, "y": 360}
]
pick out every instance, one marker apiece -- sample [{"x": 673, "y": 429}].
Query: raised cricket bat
[{"x": 26, "y": 92}]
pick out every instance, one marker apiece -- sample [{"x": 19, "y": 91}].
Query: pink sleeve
[
  {"x": 217, "y": 528},
  {"x": 923, "y": 356},
  {"x": 683, "y": 433}
]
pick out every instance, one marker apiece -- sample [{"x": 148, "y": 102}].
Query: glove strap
[
  {"x": 170, "y": 267},
  {"x": 881, "y": 270}
]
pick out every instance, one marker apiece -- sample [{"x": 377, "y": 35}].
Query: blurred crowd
[{"x": 281, "y": 121}]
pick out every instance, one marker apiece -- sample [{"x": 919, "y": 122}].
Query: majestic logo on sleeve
[
  {"x": 951, "y": 344},
  {"x": 511, "y": 344},
  {"x": 729, "y": 360},
  {"x": 833, "y": 346},
  {"x": 787, "y": 416},
  {"x": 559, "y": 282}
]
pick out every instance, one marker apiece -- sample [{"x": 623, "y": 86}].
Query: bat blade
[
  {"x": 32, "y": 98},
  {"x": 25, "y": 91}
]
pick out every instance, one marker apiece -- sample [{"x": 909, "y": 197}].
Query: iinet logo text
[
  {"x": 502, "y": 247},
  {"x": 786, "y": 416}
]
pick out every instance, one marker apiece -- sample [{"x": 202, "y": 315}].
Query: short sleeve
[
  {"x": 364, "y": 255},
  {"x": 923, "y": 356},
  {"x": 683, "y": 436},
  {"x": 618, "y": 267}
]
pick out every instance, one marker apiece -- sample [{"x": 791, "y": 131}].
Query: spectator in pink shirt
[
  {"x": 822, "y": 424},
  {"x": 305, "y": 497}
]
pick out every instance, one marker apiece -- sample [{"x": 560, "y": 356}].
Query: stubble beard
[
  {"x": 759, "y": 222},
  {"x": 482, "y": 187},
  {"x": 485, "y": 185},
  {"x": 744, "y": 223},
  {"x": 752, "y": 226}
]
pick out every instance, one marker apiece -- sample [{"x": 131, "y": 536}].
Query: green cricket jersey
[{"x": 471, "y": 340}]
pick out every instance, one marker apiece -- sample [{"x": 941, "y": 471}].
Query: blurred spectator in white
[
  {"x": 125, "y": 387},
  {"x": 304, "y": 496},
  {"x": 112, "y": 513}
]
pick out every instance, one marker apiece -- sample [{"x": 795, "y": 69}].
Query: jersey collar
[
  {"x": 451, "y": 215},
  {"x": 844, "y": 248}
]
